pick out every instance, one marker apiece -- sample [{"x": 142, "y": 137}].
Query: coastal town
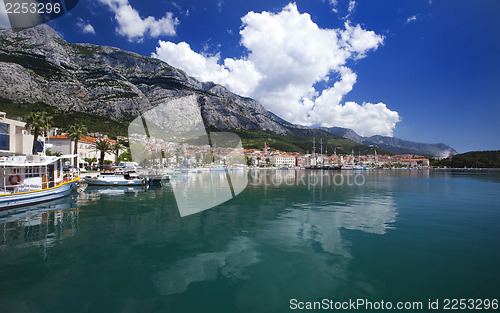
[{"x": 17, "y": 139}]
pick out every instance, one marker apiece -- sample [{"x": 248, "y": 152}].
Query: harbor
[
  {"x": 131, "y": 249},
  {"x": 249, "y": 156}
]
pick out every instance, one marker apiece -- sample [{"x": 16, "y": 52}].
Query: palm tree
[
  {"x": 116, "y": 149},
  {"x": 75, "y": 132},
  {"x": 38, "y": 122},
  {"x": 104, "y": 147}
]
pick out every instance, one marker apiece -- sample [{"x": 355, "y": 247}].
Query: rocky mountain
[
  {"x": 344, "y": 132},
  {"x": 393, "y": 144},
  {"x": 36, "y": 65}
]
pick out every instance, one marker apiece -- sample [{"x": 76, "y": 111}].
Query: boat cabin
[{"x": 31, "y": 173}]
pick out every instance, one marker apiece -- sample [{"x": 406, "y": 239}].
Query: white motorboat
[
  {"x": 155, "y": 174},
  {"x": 218, "y": 168},
  {"x": 33, "y": 179},
  {"x": 347, "y": 166},
  {"x": 115, "y": 179}
]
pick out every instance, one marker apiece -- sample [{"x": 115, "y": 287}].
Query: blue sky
[{"x": 421, "y": 70}]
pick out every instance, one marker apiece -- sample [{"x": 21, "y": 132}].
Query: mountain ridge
[
  {"x": 393, "y": 144},
  {"x": 37, "y": 65}
]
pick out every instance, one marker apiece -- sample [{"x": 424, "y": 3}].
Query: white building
[
  {"x": 282, "y": 160},
  {"x": 14, "y": 137},
  {"x": 86, "y": 149},
  {"x": 420, "y": 162}
]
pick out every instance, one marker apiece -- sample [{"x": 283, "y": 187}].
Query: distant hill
[
  {"x": 394, "y": 145},
  {"x": 473, "y": 159}
]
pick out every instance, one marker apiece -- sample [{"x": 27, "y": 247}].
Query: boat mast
[
  {"x": 214, "y": 152},
  {"x": 321, "y": 155},
  {"x": 314, "y": 150}
]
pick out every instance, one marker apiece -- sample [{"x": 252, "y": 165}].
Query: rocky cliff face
[
  {"x": 344, "y": 132},
  {"x": 36, "y": 65}
]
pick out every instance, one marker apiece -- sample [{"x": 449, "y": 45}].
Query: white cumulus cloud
[
  {"x": 239, "y": 75},
  {"x": 134, "y": 27},
  {"x": 288, "y": 55},
  {"x": 85, "y": 27}
]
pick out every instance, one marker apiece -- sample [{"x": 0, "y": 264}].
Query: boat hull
[
  {"x": 101, "y": 182},
  {"x": 33, "y": 197}
]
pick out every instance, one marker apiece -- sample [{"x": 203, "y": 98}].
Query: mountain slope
[
  {"x": 84, "y": 80},
  {"x": 36, "y": 65},
  {"x": 397, "y": 145},
  {"x": 344, "y": 132},
  {"x": 394, "y": 145}
]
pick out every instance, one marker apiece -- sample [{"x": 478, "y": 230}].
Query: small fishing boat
[
  {"x": 332, "y": 167},
  {"x": 31, "y": 179},
  {"x": 218, "y": 168},
  {"x": 115, "y": 179},
  {"x": 155, "y": 174}
]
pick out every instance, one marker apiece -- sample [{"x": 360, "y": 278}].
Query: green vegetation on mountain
[
  {"x": 473, "y": 159},
  {"x": 64, "y": 119},
  {"x": 297, "y": 141},
  {"x": 252, "y": 139}
]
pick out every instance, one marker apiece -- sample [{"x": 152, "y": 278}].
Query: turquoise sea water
[{"x": 391, "y": 235}]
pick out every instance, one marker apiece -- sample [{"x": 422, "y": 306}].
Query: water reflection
[
  {"x": 285, "y": 236},
  {"x": 92, "y": 194},
  {"x": 485, "y": 175},
  {"x": 39, "y": 225},
  {"x": 321, "y": 225},
  {"x": 319, "y": 178},
  {"x": 271, "y": 243},
  {"x": 195, "y": 193},
  {"x": 231, "y": 264}
]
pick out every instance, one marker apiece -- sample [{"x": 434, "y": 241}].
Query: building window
[
  {"x": 4, "y": 129},
  {"x": 4, "y": 137}
]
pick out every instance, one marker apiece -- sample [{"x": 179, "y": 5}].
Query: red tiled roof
[
  {"x": 412, "y": 160},
  {"x": 84, "y": 139}
]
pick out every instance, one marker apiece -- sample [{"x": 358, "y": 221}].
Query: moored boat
[
  {"x": 155, "y": 174},
  {"x": 31, "y": 179},
  {"x": 115, "y": 179},
  {"x": 218, "y": 168},
  {"x": 347, "y": 166},
  {"x": 324, "y": 167},
  {"x": 361, "y": 167}
]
